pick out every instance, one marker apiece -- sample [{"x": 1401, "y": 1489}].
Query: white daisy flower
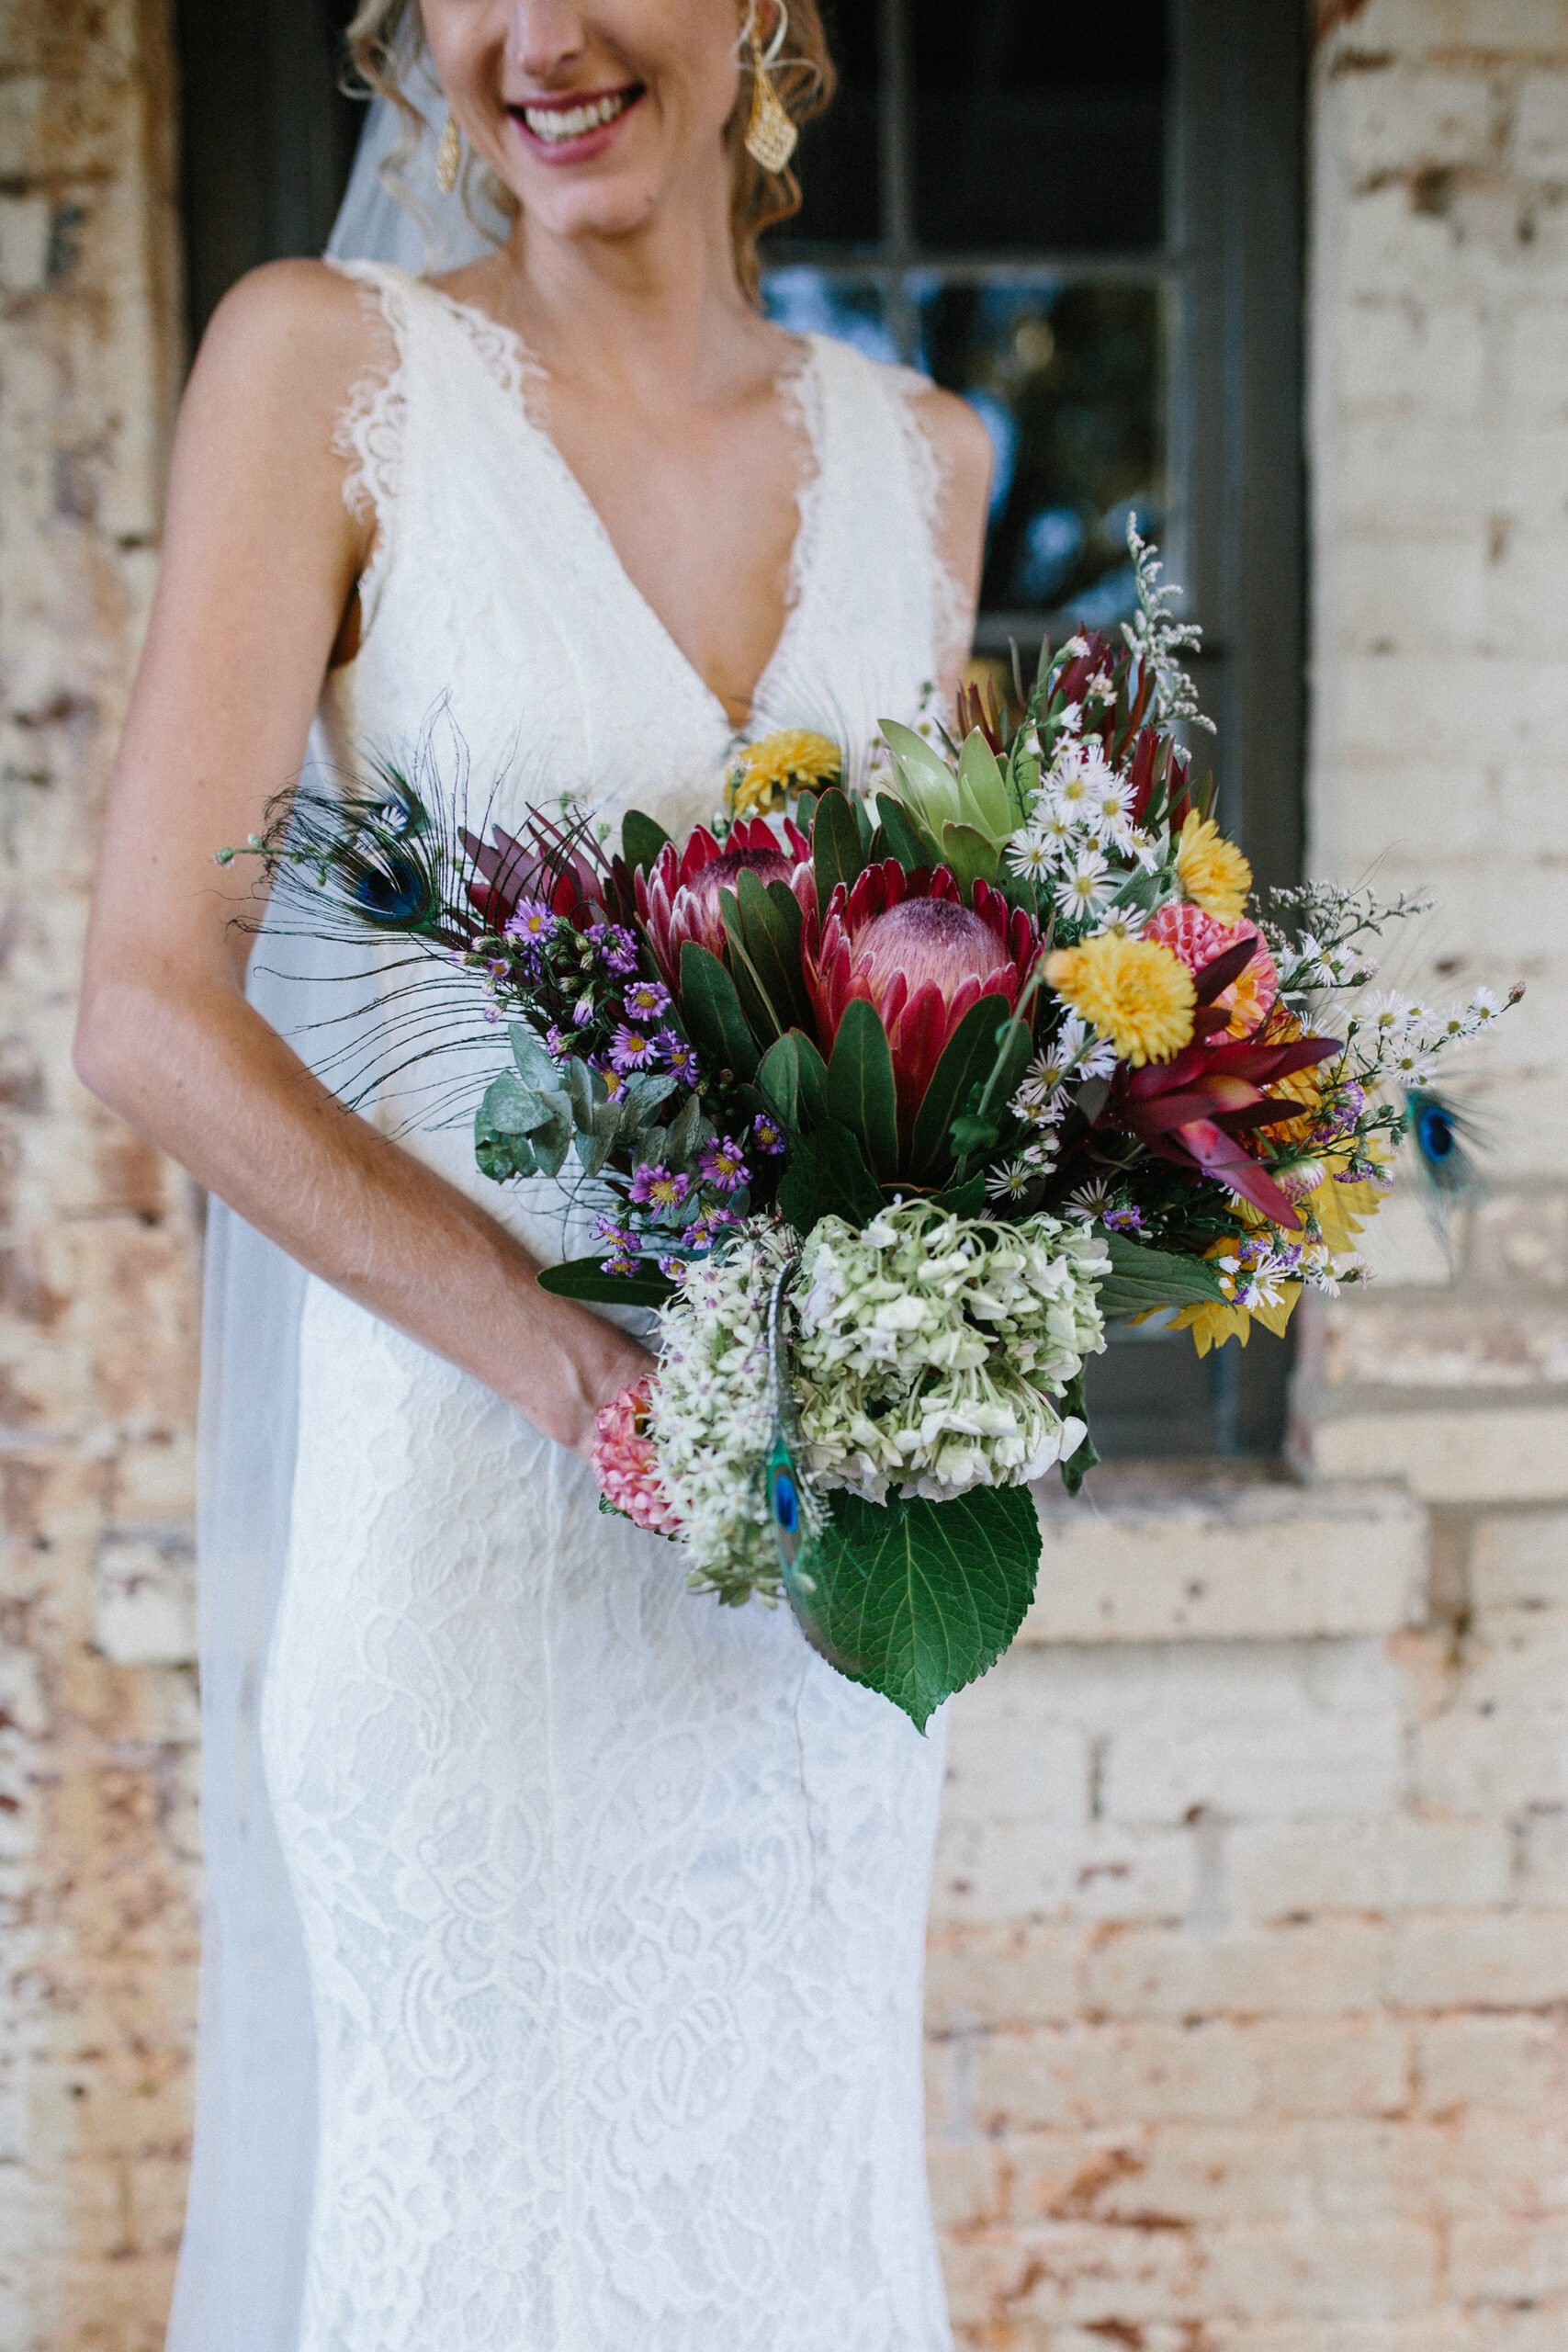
[
  {"x": 1086, "y": 890},
  {"x": 1030, "y": 854},
  {"x": 1110, "y": 813},
  {"x": 1011, "y": 1182},
  {"x": 1089, "y": 1201},
  {"x": 1388, "y": 1012},
  {"x": 1485, "y": 1005}
]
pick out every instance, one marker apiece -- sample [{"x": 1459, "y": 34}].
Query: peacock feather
[{"x": 795, "y": 1511}]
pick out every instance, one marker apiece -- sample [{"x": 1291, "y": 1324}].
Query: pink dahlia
[
  {"x": 1196, "y": 939},
  {"x": 906, "y": 943},
  {"x": 625, "y": 1464},
  {"x": 678, "y": 897}
]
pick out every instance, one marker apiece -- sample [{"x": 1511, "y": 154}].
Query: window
[{"x": 1086, "y": 222}]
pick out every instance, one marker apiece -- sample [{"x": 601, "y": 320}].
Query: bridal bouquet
[{"x": 886, "y": 1097}]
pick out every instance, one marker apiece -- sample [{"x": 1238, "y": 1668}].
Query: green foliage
[
  {"x": 967, "y": 1060},
  {"x": 531, "y": 1117},
  {"x": 1077, "y": 1465},
  {"x": 1142, "y": 1280},
  {"x": 860, "y": 1090},
  {"x": 838, "y": 851},
  {"x": 641, "y": 839},
  {"x": 714, "y": 1022},
  {"x": 585, "y": 1279},
  {"x": 897, "y": 836},
  {"x": 828, "y": 1176},
  {"x": 793, "y": 1077},
  {"x": 916, "y": 1600}
]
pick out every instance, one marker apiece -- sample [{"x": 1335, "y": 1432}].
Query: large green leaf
[
  {"x": 837, "y": 852},
  {"x": 714, "y": 1022},
  {"x": 763, "y": 1017},
  {"x": 967, "y": 1060},
  {"x": 641, "y": 838},
  {"x": 985, "y": 786},
  {"x": 861, "y": 1091},
  {"x": 1142, "y": 1280},
  {"x": 900, "y": 836},
  {"x": 778, "y": 1077},
  {"x": 972, "y": 857},
  {"x": 585, "y": 1279},
  {"x": 770, "y": 915},
  {"x": 520, "y": 1132},
  {"x": 930, "y": 787},
  {"x": 917, "y": 1599},
  {"x": 828, "y": 1177}
]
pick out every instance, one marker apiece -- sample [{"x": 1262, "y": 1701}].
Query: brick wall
[
  {"x": 1249, "y": 1959},
  {"x": 96, "y": 1268},
  {"x": 1249, "y": 1975}
]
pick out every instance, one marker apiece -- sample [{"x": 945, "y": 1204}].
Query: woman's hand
[{"x": 601, "y": 1362}]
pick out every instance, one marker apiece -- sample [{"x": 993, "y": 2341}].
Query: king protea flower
[
  {"x": 678, "y": 897},
  {"x": 906, "y": 943}
]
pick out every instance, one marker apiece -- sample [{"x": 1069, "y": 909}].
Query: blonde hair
[{"x": 386, "y": 39}]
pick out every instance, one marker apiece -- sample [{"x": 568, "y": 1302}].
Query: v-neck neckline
[{"x": 798, "y": 386}]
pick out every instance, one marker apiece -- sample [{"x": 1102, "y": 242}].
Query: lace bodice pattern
[{"x": 613, "y": 1900}]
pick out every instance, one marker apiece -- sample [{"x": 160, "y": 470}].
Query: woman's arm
[
  {"x": 963, "y": 458},
  {"x": 260, "y": 558}
]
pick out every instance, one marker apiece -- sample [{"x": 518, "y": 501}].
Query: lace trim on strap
[
  {"x": 370, "y": 431},
  {"x": 953, "y": 611},
  {"x": 504, "y": 352}
]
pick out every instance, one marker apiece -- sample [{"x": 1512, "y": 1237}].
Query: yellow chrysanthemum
[
  {"x": 796, "y": 760},
  {"x": 1132, "y": 990},
  {"x": 1211, "y": 871},
  {"x": 1339, "y": 1211}
]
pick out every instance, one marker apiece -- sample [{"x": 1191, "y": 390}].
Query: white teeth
[{"x": 555, "y": 124}]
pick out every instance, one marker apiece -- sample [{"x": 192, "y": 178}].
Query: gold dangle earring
[
  {"x": 771, "y": 137},
  {"x": 448, "y": 155}
]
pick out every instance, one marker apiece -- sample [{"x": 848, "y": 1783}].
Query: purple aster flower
[
  {"x": 646, "y": 999},
  {"x": 630, "y": 1051},
  {"x": 582, "y": 1012},
  {"x": 724, "y": 1164},
  {"x": 679, "y": 1059},
  {"x": 674, "y": 1268},
  {"x": 619, "y": 1238},
  {"x": 558, "y": 1044},
  {"x": 768, "y": 1134},
  {"x": 658, "y": 1188},
  {"x": 702, "y": 1230},
  {"x": 616, "y": 945},
  {"x": 1128, "y": 1221},
  {"x": 530, "y": 920}
]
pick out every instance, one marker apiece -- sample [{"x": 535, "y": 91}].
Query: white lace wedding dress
[{"x": 613, "y": 1900}]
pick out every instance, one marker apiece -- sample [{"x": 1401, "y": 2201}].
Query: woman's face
[{"x": 592, "y": 114}]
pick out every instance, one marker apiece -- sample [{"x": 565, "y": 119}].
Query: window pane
[
  {"x": 1039, "y": 127},
  {"x": 814, "y": 301},
  {"x": 838, "y": 166},
  {"x": 1070, "y": 379}
]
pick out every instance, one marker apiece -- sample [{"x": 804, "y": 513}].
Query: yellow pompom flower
[
  {"x": 1134, "y": 991},
  {"x": 796, "y": 760},
  {"x": 1211, "y": 871}
]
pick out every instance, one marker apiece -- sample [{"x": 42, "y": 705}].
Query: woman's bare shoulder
[
  {"x": 962, "y": 444},
  {"x": 288, "y": 342}
]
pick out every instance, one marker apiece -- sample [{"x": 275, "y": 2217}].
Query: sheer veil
[{"x": 242, "y": 2263}]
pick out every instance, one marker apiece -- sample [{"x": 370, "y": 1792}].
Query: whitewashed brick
[
  {"x": 1378, "y": 1864},
  {"x": 993, "y": 1872},
  {"x": 1319, "y": 1970},
  {"x": 1402, "y": 1246},
  {"x": 1241, "y": 1560},
  {"x": 1415, "y": 353},
  {"x": 1513, "y": 2064},
  {"x": 1520, "y": 1561},
  {"x": 146, "y": 1600},
  {"x": 1485, "y": 1455},
  {"x": 1507, "y": 1959}
]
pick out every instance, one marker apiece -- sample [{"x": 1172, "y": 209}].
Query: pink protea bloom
[
  {"x": 678, "y": 897},
  {"x": 906, "y": 943},
  {"x": 1195, "y": 939},
  {"x": 625, "y": 1464}
]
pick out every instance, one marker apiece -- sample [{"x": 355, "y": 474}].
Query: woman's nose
[{"x": 545, "y": 35}]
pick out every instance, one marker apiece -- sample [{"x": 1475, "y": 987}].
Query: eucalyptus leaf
[
  {"x": 510, "y": 1108},
  {"x": 1143, "y": 1280},
  {"x": 917, "y": 1599},
  {"x": 688, "y": 1133},
  {"x": 860, "y": 1090},
  {"x": 535, "y": 1064}
]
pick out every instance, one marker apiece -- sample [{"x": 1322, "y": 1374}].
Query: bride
[{"x": 561, "y": 1984}]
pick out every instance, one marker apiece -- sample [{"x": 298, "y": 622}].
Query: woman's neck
[{"x": 657, "y": 311}]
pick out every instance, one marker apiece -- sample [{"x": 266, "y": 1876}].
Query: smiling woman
[{"x": 563, "y": 1965}]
